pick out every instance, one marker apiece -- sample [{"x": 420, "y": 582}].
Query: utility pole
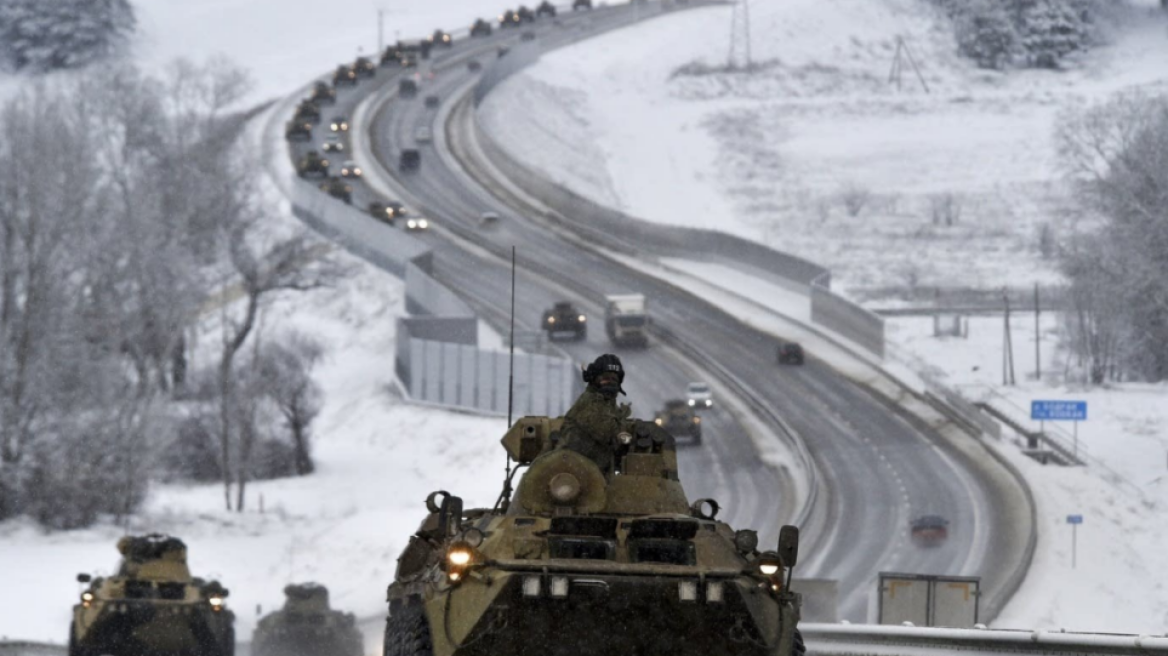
[
  {"x": 1007, "y": 346},
  {"x": 740, "y": 36},
  {"x": 904, "y": 53},
  {"x": 1037, "y": 337}
]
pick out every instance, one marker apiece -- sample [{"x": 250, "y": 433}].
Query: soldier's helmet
[{"x": 607, "y": 363}]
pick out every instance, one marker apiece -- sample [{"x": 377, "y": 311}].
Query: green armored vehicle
[
  {"x": 152, "y": 606},
  {"x": 313, "y": 164},
  {"x": 584, "y": 562},
  {"x": 306, "y": 626}
]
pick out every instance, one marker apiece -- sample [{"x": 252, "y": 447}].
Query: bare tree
[{"x": 287, "y": 369}]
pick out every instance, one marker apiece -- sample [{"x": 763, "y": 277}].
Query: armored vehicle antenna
[{"x": 504, "y": 502}]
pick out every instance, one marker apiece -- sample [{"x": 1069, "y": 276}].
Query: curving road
[{"x": 877, "y": 467}]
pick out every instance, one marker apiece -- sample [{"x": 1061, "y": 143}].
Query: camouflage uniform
[{"x": 591, "y": 427}]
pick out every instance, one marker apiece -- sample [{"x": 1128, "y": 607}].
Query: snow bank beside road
[{"x": 774, "y": 156}]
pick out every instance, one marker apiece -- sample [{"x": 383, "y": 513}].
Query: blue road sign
[
  {"x": 1058, "y": 410},
  {"x": 1074, "y": 519}
]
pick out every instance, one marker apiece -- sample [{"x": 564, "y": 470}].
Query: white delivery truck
[{"x": 625, "y": 319}]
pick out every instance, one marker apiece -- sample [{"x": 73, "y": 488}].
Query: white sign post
[{"x": 1074, "y": 521}]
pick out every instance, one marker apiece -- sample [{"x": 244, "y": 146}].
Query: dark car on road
[
  {"x": 790, "y": 353},
  {"x": 410, "y": 160},
  {"x": 929, "y": 530}
]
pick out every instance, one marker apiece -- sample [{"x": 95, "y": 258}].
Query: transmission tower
[{"x": 740, "y": 36}]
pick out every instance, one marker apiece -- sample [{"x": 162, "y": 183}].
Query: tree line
[{"x": 129, "y": 221}]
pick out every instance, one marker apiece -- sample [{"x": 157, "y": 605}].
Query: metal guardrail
[
  {"x": 25, "y": 648},
  {"x": 849, "y": 640}
]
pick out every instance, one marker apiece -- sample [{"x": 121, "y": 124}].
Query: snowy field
[{"x": 774, "y": 156}]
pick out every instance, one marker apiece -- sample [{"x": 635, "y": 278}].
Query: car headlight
[
  {"x": 690, "y": 402},
  {"x": 411, "y": 224},
  {"x": 423, "y": 224},
  {"x": 356, "y": 171},
  {"x": 551, "y": 319},
  {"x": 582, "y": 318},
  {"x": 709, "y": 402}
]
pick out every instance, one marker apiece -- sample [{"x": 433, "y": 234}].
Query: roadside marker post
[{"x": 1074, "y": 521}]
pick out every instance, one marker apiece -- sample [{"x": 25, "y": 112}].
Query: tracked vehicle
[
  {"x": 151, "y": 606},
  {"x": 306, "y": 626},
  {"x": 584, "y": 562}
]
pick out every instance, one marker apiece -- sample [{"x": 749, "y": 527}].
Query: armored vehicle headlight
[
  {"x": 714, "y": 592},
  {"x": 86, "y": 599},
  {"x": 691, "y": 402},
  {"x": 564, "y": 488},
  {"x": 697, "y": 420},
  {"x": 582, "y": 318},
  {"x": 687, "y": 590},
  {"x": 531, "y": 586},
  {"x": 658, "y": 421},
  {"x": 551, "y": 319},
  {"x": 769, "y": 564},
  {"x": 216, "y": 603},
  {"x": 459, "y": 557}
]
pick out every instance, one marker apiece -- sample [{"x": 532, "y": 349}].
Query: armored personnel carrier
[
  {"x": 344, "y": 75},
  {"x": 565, "y": 318},
  {"x": 152, "y": 605},
  {"x": 480, "y": 28},
  {"x": 337, "y": 188},
  {"x": 306, "y": 626},
  {"x": 619, "y": 562},
  {"x": 307, "y": 112},
  {"x": 297, "y": 131},
  {"x": 679, "y": 419},
  {"x": 313, "y": 165},
  {"x": 323, "y": 92}
]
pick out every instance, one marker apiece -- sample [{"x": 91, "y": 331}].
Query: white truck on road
[{"x": 625, "y": 319}]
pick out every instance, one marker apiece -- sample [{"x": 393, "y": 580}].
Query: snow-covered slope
[{"x": 775, "y": 155}]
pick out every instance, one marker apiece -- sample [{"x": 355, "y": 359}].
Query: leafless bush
[
  {"x": 854, "y": 198},
  {"x": 945, "y": 209}
]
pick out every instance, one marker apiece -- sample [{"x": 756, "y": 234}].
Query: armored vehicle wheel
[{"x": 407, "y": 633}]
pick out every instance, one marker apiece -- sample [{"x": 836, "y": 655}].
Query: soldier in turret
[{"x": 598, "y": 427}]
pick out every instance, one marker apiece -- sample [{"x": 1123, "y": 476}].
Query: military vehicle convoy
[
  {"x": 323, "y": 92},
  {"x": 337, "y": 188},
  {"x": 680, "y": 420},
  {"x": 306, "y": 626},
  {"x": 313, "y": 165},
  {"x": 152, "y": 605},
  {"x": 563, "y": 318},
  {"x": 480, "y": 28},
  {"x": 622, "y": 563},
  {"x": 298, "y": 131}
]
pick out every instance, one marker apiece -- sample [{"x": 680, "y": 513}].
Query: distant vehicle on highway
[
  {"x": 442, "y": 39},
  {"x": 382, "y": 212},
  {"x": 417, "y": 224},
  {"x": 581, "y": 4},
  {"x": 344, "y": 75},
  {"x": 339, "y": 124},
  {"x": 474, "y": 66},
  {"x": 432, "y": 102},
  {"x": 929, "y": 530},
  {"x": 333, "y": 143},
  {"x": 681, "y": 422},
  {"x": 488, "y": 218},
  {"x": 502, "y": 51},
  {"x": 323, "y": 93},
  {"x": 313, "y": 165},
  {"x": 338, "y": 188},
  {"x": 480, "y": 28},
  {"x": 349, "y": 169},
  {"x": 298, "y": 131},
  {"x": 545, "y": 8},
  {"x": 626, "y": 320},
  {"x": 565, "y": 319},
  {"x": 410, "y": 160},
  {"x": 307, "y": 111},
  {"x": 790, "y": 353},
  {"x": 407, "y": 88},
  {"x": 364, "y": 67},
  {"x": 422, "y": 134},
  {"x": 698, "y": 395}
]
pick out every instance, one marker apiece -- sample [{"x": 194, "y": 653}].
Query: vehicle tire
[{"x": 407, "y": 633}]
